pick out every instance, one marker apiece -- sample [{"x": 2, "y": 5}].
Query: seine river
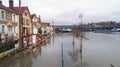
[{"x": 98, "y": 50}]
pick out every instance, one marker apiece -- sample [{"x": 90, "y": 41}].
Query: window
[
  {"x": 3, "y": 28},
  {"x": 35, "y": 18},
  {"x": 23, "y": 21},
  {"x": 2, "y": 14},
  {"x": 27, "y": 22},
  {"x": 25, "y": 13}
]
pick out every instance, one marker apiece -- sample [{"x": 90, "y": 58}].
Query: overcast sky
[{"x": 67, "y": 11}]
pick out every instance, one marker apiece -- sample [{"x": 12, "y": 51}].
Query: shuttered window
[
  {"x": 3, "y": 29},
  {"x": 2, "y": 14},
  {"x": 13, "y": 17}
]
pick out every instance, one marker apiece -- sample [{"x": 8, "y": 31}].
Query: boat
[
  {"x": 115, "y": 30},
  {"x": 107, "y": 31},
  {"x": 118, "y": 29},
  {"x": 66, "y": 30}
]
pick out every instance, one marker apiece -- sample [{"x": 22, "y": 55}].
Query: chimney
[
  {"x": 0, "y": 2},
  {"x": 11, "y": 4}
]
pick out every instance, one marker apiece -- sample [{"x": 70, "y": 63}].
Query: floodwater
[{"x": 98, "y": 50}]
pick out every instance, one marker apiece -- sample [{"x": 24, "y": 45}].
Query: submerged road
[{"x": 100, "y": 50}]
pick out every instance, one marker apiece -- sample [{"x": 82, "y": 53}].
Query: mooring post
[{"x": 62, "y": 55}]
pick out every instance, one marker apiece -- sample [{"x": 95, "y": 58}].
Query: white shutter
[
  {"x": 13, "y": 29},
  {"x": 6, "y": 29},
  {"x": 16, "y": 16},
  {"x": 16, "y": 29}
]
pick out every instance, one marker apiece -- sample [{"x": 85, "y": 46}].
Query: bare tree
[{"x": 78, "y": 32}]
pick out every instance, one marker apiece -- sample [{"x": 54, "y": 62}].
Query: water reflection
[
  {"x": 36, "y": 52},
  {"x": 76, "y": 54},
  {"x": 101, "y": 50},
  {"x": 53, "y": 39},
  {"x": 24, "y": 58},
  {"x": 19, "y": 60}
]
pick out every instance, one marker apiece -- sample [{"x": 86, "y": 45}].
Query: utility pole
[
  {"x": 62, "y": 55},
  {"x": 20, "y": 26}
]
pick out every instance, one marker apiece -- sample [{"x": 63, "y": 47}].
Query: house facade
[
  {"x": 25, "y": 22},
  {"x": 9, "y": 24},
  {"x": 46, "y": 28},
  {"x": 35, "y": 28}
]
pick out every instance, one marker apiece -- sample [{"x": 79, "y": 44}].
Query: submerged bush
[{"x": 7, "y": 45}]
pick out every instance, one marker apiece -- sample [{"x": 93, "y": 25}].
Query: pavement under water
[{"x": 99, "y": 50}]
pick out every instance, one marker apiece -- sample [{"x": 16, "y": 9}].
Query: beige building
[{"x": 25, "y": 21}]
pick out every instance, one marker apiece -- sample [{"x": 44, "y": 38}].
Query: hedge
[{"x": 7, "y": 45}]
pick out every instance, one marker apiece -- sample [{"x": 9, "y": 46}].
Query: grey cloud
[{"x": 71, "y": 17}]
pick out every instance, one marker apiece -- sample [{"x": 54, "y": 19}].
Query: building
[
  {"x": 36, "y": 23},
  {"x": 25, "y": 21},
  {"x": 46, "y": 28},
  {"x": 9, "y": 30},
  {"x": 36, "y": 31},
  {"x": 9, "y": 22}
]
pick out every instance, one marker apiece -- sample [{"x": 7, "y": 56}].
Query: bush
[{"x": 7, "y": 45}]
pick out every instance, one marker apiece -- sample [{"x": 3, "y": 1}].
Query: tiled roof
[
  {"x": 21, "y": 9},
  {"x": 32, "y": 16},
  {"x": 15, "y": 9},
  {"x": 5, "y": 8},
  {"x": 44, "y": 23}
]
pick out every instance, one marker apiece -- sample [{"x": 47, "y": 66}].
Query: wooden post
[{"x": 62, "y": 55}]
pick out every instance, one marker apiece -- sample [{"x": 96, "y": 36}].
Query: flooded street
[{"x": 99, "y": 50}]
